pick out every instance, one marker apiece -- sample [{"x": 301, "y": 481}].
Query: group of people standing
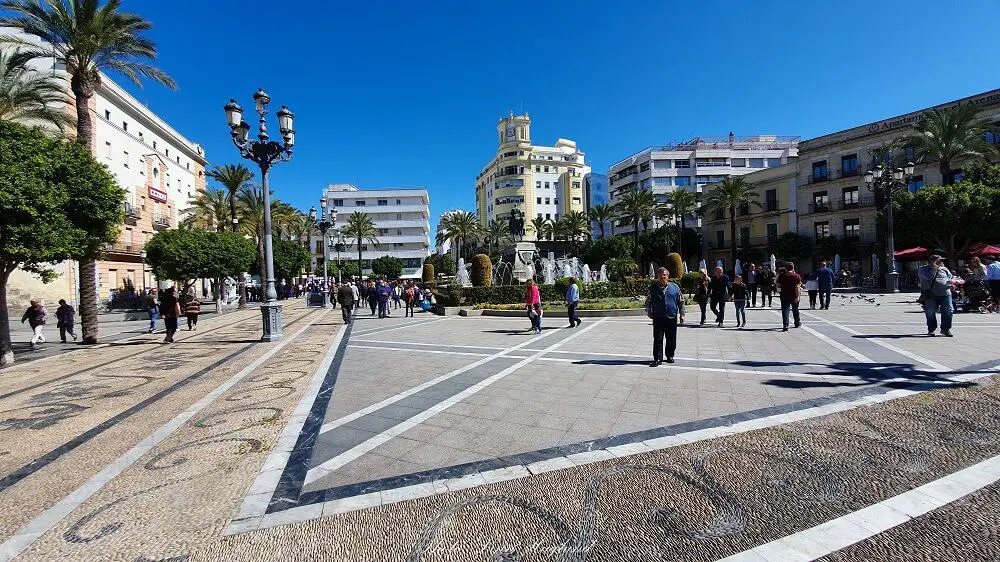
[
  {"x": 168, "y": 305},
  {"x": 381, "y": 296}
]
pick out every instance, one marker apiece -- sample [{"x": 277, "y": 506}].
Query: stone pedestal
[
  {"x": 522, "y": 256},
  {"x": 272, "y": 321}
]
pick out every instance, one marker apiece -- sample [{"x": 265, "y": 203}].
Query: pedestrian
[
  {"x": 37, "y": 316},
  {"x": 935, "y": 294},
  {"x": 740, "y": 294},
  {"x": 356, "y": 294},
  {"x": 765, "y": 282},
  {"x": 572, "y": 302},
  {"x": 993, "y": 280},
  {"x": 346, "y": 296},
  {"x": 170, "y": 310},
  {"x": 533, "y": 303},
  {"x": 701, "y": 293},
  {"x": 383, "y": 291},
  {"x": 372, "y": 297},
  {"x": 824, "y": 279},
  {"x": 410, "y": 298},
  {"x": 812, "y": 287},
  {"x": 397, "y": 294},
  {"x": 751, "y": 281},
  {"x": 718, "y": 294},
  {"x": 191, "y": 310},
  {"x": 789, "y": 291},
  {"x": 153, "y": 308},
  {"x": 665, "y": 307},
  {"x": 334, "y": 288},
  {"x": 65, "y": 318}
]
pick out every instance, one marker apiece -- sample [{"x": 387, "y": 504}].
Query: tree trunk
[
  {"x": 680, "y": 235},
  {"x": 635, "y": 239},
  {"x": 732, "y": 234},
  {"x": 361, "y": 270},
  {"x": 83, "y": 90},
  {"x": 6, "y": 351},
  {"x": 947, "y": 177}
]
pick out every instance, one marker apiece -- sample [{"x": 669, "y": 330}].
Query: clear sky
[{"x": 409, "y": 93}]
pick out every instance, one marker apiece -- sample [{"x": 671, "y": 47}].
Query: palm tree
[
  {"x": 301, "y": 228},
  {"x": 950, "y": 135},
  {"x": 602, "y": 213},
  {"x": 88, "y": 38},
  {"x": 27, "y": 96},
  {"x": 233, "y": 178},
  {"x": 682, "y": 203},
  {"x": 576, "y": 225},
  {"x": 732, "y": 192},
  {"x": 540, "y": 225},
  {"x": 251, "y": 210},
  {"x": 460, "y": 227},
  {"x": 637, "y": 206},
  {"x": 209, "y": 209},
  {"x": 360, "y": 228},
  {"x": 498, "y": 232}
]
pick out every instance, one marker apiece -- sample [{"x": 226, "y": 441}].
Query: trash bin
[{"x": 315, "y": 299}]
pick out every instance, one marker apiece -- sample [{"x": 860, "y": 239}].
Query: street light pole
[
  {"x": 142, "y": 256},
  {"x": 886, "y": 180},
  {"x": 265, "y": 153},
  {"x": 324, "y": 225}
]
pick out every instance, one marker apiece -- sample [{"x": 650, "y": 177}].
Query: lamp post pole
[
  {"x": 884, "y": 179},
  {"x": 265, "y": 153},
  {"x": 142, "y": 256},
  {"x": 323, "y": 226},
  {"x": 339, "y": 245}
]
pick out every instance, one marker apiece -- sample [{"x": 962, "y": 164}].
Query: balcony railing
[
  {"x": 850, "y": 173},
  {"x": 840, "y": 205},
  {"x": 131, "y": 211},
  {"x": 161, "y": 222},
  {"x": 817, "y": 177},
  {"x": 122, "y": 248},
  {"x": 863, "y": 238},
  {"x": 743, "y": 243}
]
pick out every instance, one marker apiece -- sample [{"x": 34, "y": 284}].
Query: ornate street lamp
[
  {"x": 325, "y": 223},
  {"x": 265, "y": 153},
  {"x": 142, "y": 256},
  {"x": 886, "y": 181}
]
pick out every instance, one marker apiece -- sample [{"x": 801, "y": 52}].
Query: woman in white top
[{"x": 812, "y": 286}]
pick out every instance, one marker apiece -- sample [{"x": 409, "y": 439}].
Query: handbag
[{"x": 925, "y": 295}]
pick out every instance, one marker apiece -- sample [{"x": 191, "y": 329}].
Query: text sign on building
[{"x": 157, "y": 194}]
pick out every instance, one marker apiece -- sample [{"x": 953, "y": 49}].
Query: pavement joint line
[
  {"x": 354, "y": 345},
  {"x": 48, "y": 519},
  {"x": 368, "y": 445},
  {"x": 826, "y": 538},
  {"x": 401, "y": 326},
  {"x": 827, "y": 339},
  {"x": 252, "y": 507},
  {"x": 430, "y": 344},
  {"x": 930, "y": 363},
  {"x": 411, "y": 391}
]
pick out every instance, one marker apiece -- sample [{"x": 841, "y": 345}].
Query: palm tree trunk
[
  {"x": 6, "y": 351},
  {"x": 680, "y": 235},
  {"x": 635, "y": 239},
  {"x": 83, "y": 91},
  {"x": 732, "y": 234},
  {"x": 947, "y": 177},
  {"x": 361, "y": 270}
]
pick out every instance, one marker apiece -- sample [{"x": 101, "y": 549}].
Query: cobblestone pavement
[{"x": 855, "y": 437}]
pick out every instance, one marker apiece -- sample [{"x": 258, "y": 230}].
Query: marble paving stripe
[
  {"x": 930, "y": 363},
  {"x": 399, "y": 327},
  {"x": 836, "y": 534},
  {"x": 368, "y": 445},
  {"x": 416, "y": 345},
  {"x": 52, "y": 516},
  {"x": 379, "y": 405},
  {"x": 99, "y": 365},
  {"x": 418, "y": 350}
]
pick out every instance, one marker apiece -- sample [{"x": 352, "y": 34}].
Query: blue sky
[{"x": 409, "y": 93}]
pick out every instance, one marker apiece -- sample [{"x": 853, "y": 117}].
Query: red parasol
[
  {"x": 913, "y": 254},
  {"x": 982, "y": 250}
]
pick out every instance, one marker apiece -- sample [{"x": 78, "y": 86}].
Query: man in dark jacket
[
  {"x": 665, "y": 307},
  {"x": 345, "y": 294},
  {"x": 36, "y": 315},
  {"x": 65, "y": 318},
  {"x": 718, "y": 293},
  {"x": 825, "y": 277},
  {"x": 170, "y": 310}
]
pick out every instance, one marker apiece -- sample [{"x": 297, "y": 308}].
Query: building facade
[
  {"x": 695, "y": 163},
  {"x": 540, "y": 181},
  {"x": 595, "y": 192},
  {"x": 401, "y": 217}
]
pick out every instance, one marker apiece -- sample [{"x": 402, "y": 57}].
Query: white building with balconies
[{"x": 402, "y": 222}]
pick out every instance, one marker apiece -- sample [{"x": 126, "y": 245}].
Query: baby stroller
[{"x": 976, "y": 297}]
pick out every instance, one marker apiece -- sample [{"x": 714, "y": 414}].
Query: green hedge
[{"x": 512, "y": 294}]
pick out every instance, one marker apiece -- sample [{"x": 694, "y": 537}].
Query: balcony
[
  {"x": 817, "y": 177},
  {"x": 124, "y": 249},
  {"x": 840, "y": 205},
  {"x": 850, "y": 173},
  {"x": 744, "y": 242},
  {"x": 161, "y": 223},
  {"x": 131, "y": 213}
]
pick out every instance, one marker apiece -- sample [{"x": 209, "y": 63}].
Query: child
[{"x": 740, "y": 294}]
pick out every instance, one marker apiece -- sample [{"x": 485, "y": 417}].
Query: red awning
[
  {"x": 913, "y": 254},
  {"x": 983, "y": 250}
]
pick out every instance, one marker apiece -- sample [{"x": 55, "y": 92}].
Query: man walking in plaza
[
  {"x": 935, "y": 292},
  {"x": 718, "y": 293},
  {"x": 665, "y": 307},
  {"x": 825, "y": 277},
  {"x": 153, "y": 308},
  {"x": 573, "y": 301},
  {"x": 357, "y": 295},
  {"x": 751, "y": 281},
  {"x": 382, "y": 292},
  {"x": 993, "y": 280},
  {"x": 65, "y": 318},
  {"x": 170, "y": 310},
  {"x": 36, "y": 315},
  {"x": 789, "y": 291},
  {"x": 346, "y": 296},
  {"x": 410, "y": 297}
]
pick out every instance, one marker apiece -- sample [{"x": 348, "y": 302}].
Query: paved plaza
[{"x": 855, "y": 437}]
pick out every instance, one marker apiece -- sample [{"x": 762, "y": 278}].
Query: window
[
  {"x": 125, "y": 126},
  {"x": 682, "y": 163},
  {"x": 399, "y": 216},
  {"x": 661, "y": 164},
  {"x": 682, "y": 180},
  {"x": 821, "y": 202},
  {"x": 822, "y": 230},
  {"x": 538, "y": 185},
  {"x": 359, "y": 202},
  {"x": 107, "y": 115},
  {"x": 383, "y": 202},
  {"x": 756, "y": 162},
  {"x": 399, "y": 232},
  {"x": 852, "y": 228},
  {"x": 107, "y": 150},
  {"x": 399, "y": 202},
  {"x": 850, "y": 197},
  {"x": 738, "y": 163},
  {"x": 538, "y": 200},
  {"x": 820, "y": 171},
  {"x": 661, "y": 182},
  {"x": 772, "y": 231},
  {"x": 546, "y": 168},
  {"x": 743, "y": 209},
  {"x": 166, "y": 151},
  {"x": 644, "y": 166},
  {"x": 319, "y": 246},
  {"x": 576, "y": 185},
  {"x": 744, "y": 236},
  {"x": 140, "y": 137},
  {"x": 849, "y": 164},
  {"x": 915, "y": 184},
  {"x": 991, "y": 137},
  {"x": 546, "y": 185},
  {"x": 771, "y": 200},
  {"x": 548, "y": 215},
  {"x": 773, "y": 162},
  {"x": 538, "y": 168},
  {"x": 154, "y": 145},
  {"x": 548, "y": 201},
  {"x": 338, "y": 202},
  {"x": 910, "y": 153},
  {"x": 720, "y": 238},
  {"x": 125, "y": 158},
  {"x": 156, "y": 173}
]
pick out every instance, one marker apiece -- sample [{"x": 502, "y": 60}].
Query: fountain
[
  {"x": 462, "y": 274},
  {"x": 585, "y": 274},
  {"x": 652, "y": 272},
  {"x": 603, "y": 275},
  {"x": 567, "y": 269},
  {"x": 503, "y": 273},
  {"x": 702, "y": 265}
]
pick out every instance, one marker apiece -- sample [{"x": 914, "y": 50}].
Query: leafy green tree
[
  {"x": 388, "y": 267},
  {"x": 654, "y": 245},
  {"x": 730, "y": 193},
  {"x": 542, "y": 227},
  {"x": 949, "y": 217},
  {"x": 28, "y": 96},
  {"x": 290, "y": 259},
  {"x": 682, "y": 203},
  {"x": 442, "y": 264},
  {"x": 791, "y": 246},
  {"x": 344, "y": 271},
  {"x": 56, "y": 203},
  {"x": 360, "y": 228},
  {"x": 88, "y": 38},
  {"x": 602, "y": 214},
  {"x": 638, "y": 207},
  {"x": 497, "y": 234},
  {"x": 605, "y": 249},
  {"x": 951, "y": 135},
  {"x": 250, "y": 203},
  {"x": 576, "y": 226}
]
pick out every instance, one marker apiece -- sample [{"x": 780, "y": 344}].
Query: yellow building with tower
[{"x": 540, "y": 181}]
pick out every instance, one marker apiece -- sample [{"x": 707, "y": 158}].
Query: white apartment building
[
  {"x": 159, "y": 169},
  {"x": 401, "y": 217},
  {"x": 692, "y": 164}
]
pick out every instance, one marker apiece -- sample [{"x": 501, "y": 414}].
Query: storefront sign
[{"x": 157, "y": 194}]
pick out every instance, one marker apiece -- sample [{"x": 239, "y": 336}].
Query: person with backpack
[
  {"x": 37, "y": 316},
  {"x": 66, "y": 317},
  {"x": 410, "y": 299}
]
